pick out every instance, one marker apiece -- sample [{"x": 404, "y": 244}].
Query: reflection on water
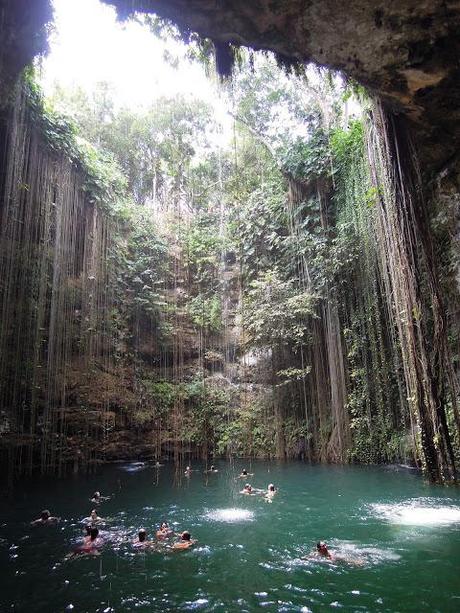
[
  {"x": 418, "y": 512},
  {"x": 133, "y": 467},
  {"x": 230, "y": 515}
]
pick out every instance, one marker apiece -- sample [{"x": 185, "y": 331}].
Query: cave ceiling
[{"x": 405, "y": 51}]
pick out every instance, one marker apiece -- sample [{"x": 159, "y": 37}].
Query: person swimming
[
  {"x": 212, "y": 469},
  {"x": 164, "y": 531},
  {"x": 188, "y": 471},
  {"x": 322, "y": 550},
  {"x": 97, "y": 498},
  {"x": 91, "y": 544},
  {"x": 271, "y": 491},
  {"x": 244, "y": 474},
  {"x": 247, "y": 489},
  {"x": 141, "y": 540},
  {"x": 45, "y": 519},
  {"x": 185, "y": 542},
  {"x": 93, "y": 518}
]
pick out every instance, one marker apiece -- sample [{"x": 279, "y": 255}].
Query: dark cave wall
[{"x": 24, "y": 26}]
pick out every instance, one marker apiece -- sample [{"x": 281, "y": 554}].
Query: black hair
[
  {"x": 244, "y": 472},
  {"x": 142, "y": 535},
  {"x": 88, "y": 529},
  {"x": 45, "y": 514},
  {"x": 185, "y": 536},
  {"x": 94, "y": 533}
]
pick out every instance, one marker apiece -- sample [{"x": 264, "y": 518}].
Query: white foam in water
[
  {"x": 230, "y": 515},
  {"x": 415, "y": 514}
]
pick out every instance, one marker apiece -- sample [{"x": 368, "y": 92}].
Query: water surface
[{"x": 399, "y": 537}]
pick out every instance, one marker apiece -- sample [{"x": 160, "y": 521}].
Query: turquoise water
[{"x": 403, "y": 532}]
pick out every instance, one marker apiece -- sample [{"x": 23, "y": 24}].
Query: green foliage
[
  {"x": 275, "y": 312},
  {"x": 347, "y": 146},
  {"x": 308, "y": 159},
  {"x": 104, "y": 183},
  {"x": 206, "y": 313},
  {"x": 292, "y": 374},
  {"x": 160, "y": 395},
  {"x": 141, "y": 269},
  {"x": 203, "y": 247},
  {"x": 154, "y": 148}
]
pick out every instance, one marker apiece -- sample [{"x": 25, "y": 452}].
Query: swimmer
[
  {"x": 271, "y": 491},
  {"x": 213, "y": 469},
  {"x": 45, "y": 519},
  {"x": 164, "y": 531},
  {"x": 141, "y": 540},
  {"x": 188, "y": 471},
  {"x": 158, "y": 465},
  {"x": 244, "y": 474},
  {"x": 247, "y": 489},
  {"x": 93, "y": 518},
  {"x": 97, "y": 498},
  {"x": 322, "y": 550},
  {"x": 91, "y": 544},
  {"x": 185, "y": 541}
]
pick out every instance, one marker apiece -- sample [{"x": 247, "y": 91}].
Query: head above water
[
  {"x": 97, "y": 495},
  {"x": 94, "y": 533},
  {"x": 45, "y": 515},
  {"x": 142, "y": 535},
  {"x": 244, "y": 472},
  {"x": 88, "y": 529},
  {"x": 94, "y": 514},
  {"x": 271, "y": 487},
  {"x": 185, "y": 536},
  {"x": 213, "y": 467},
  {"x": 164, "y": 525},
  {"x": 321, "y": 547}
]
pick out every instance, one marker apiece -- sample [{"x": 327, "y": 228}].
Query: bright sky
[{"x": 89, "y": 45}]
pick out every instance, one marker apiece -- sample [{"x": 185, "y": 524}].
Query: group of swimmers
[
  {"x": 268, "y": 494},
  {"x": 93, "y": 542}
]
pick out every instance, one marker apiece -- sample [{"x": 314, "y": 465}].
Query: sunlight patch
[
  {"x": 415, "y": 514},
  {"x": 230, "y": 515}
]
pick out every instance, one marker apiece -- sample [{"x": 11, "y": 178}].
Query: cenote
[
  {"x": 249, "y": 552},
  {"x": 230, "y": 234}
]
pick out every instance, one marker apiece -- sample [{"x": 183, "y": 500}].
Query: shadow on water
[{"x": 395, "y": 541}]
